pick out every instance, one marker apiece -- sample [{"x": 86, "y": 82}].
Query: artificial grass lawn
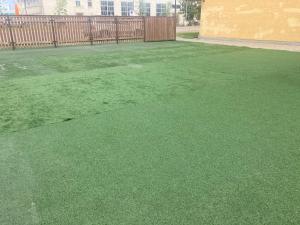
[
  {"x": 188, "y": 35},
  {"x": 149, "y": 133}
]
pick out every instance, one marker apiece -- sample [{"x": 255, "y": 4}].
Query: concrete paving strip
[{"x": 287, "y": 46}]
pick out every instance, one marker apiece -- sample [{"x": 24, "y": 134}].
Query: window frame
[
  {"x": 90, "y": 3},
  {"x": 161, "y": 9},
  {"x": 77, "y": 3},
  {"x": 107, "y": 8},
  {"x": 145, "y": 8},
  {"x": 128, "y": 5}
]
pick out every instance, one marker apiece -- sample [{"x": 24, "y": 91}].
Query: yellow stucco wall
[{"x": 277, "y": 20}]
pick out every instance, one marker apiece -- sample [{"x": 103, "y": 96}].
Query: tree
[
  {"x": 142, "y": 10},
  {"x": 61, "y": 7},
  {"x": 3, "y": 6},
  {"x": 168, "y": 9},
  {"x": 191, "y": 9}
]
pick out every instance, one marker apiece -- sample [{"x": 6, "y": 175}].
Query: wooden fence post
[
  {"x": 53, "y": 32},
  {"x": 144, "y": 21},
  {"x": 91, "y": 33},
  {"x": 12, "y": 41},
  {"x": 175, "y": 21},
  {"x": 117, "y": 29},
  {"x": 175, "y": 17}
]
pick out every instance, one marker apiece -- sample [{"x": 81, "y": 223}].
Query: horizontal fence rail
[{"x": 43, "y": 31}]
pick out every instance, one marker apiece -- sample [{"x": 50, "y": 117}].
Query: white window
[
  {"x": 161, "y": 9},
  {"x": 77, "y": 3},
  {"x": 90, "y": 3},
  {"x": 145, "y": 8},
  {"x": 107, "y": 8},
  {"x": 127, "y": 8},
  {"x": 31, "y": 2}
]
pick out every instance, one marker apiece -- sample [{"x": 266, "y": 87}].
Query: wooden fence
[
  {"x": 160, "y": 29},
  {"x": 41, "y": 31}
]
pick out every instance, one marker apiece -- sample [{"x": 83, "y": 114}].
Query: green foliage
[
  {"x": 61, "y": 7},
  {"x": 142, "y": 8},
  {"x": 169, "y": 7},
  {"x": 188, "y": 35},
  {"x": 191, "y": 9},
  {"x": 2, "y": 7}
]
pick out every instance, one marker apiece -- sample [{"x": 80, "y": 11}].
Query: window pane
[{"x": 107, "y": 8}]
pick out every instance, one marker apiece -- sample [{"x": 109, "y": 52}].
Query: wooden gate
[{"x": 160, "y": 29}]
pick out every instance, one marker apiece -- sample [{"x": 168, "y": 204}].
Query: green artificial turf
[
  {"x": 149, "y": 133},
  {"x": 188, "y": 35}
]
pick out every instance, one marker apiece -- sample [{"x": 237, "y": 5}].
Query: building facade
[
  {"x": 251, "y": 19},
  {"x": 96, "y": 7}
]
